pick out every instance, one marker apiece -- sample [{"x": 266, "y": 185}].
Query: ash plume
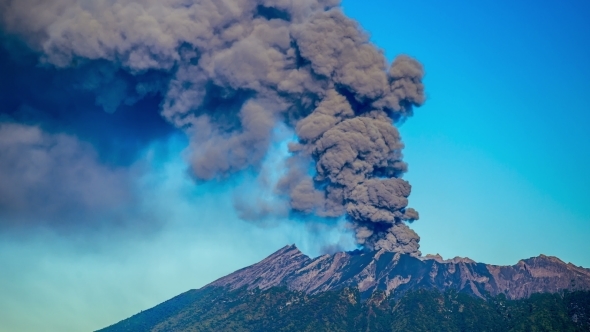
[{"x": 228, "y": 72}]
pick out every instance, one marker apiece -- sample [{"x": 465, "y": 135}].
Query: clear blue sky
[
  {"x": 499, "y": 155},
  {"x": 498, "y": 160}
]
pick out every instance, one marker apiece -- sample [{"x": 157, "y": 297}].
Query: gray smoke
[
  {"x": 234, "y": 69},
  {"x": 55, "y": 177}
]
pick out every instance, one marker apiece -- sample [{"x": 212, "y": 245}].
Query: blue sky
[
  {"x": 498, "y": 159},
  {"x": 499, "y": 153}
]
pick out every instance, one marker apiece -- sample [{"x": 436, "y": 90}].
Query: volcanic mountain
[{"x": 330, "y": 289}]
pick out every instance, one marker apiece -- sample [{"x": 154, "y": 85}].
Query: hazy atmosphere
[{"x": 148, "y": 148}]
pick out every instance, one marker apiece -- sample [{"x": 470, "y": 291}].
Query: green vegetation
[{"x": 279, "y": 309}]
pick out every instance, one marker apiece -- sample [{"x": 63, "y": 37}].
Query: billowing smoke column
[{"x": 229, "y": 71}]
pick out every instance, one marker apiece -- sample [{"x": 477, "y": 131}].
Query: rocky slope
[{"x": 395, "y": 274}]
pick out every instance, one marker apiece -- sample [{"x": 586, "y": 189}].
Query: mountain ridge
[{"x": 396, "y": 273}]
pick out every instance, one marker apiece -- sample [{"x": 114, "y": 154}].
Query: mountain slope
[
  {"x": 376, "y": 291},
  {"x": 278, "y": 309}
]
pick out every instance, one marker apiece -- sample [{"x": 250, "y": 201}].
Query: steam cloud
[{"x": 229, "y": 72}]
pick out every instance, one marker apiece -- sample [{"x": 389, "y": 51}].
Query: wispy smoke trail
[{"x": 230, "y": 71}]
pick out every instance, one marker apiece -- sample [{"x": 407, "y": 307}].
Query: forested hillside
[{"x": 278, "y": 309}]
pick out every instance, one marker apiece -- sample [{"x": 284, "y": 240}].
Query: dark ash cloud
[
  {"x": 55, "y": 178},
  {"x": 228, "y": 72}
]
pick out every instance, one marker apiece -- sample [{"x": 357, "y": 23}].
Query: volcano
[{"x": 350, "y": 291}]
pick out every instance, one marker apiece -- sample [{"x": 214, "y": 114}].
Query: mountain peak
[
  {"x": 549, "y": 258},
  {"x": 267, "y": 273},
  {"x": 286, "y": 251},
  {"x": 455, "y": 260}
]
